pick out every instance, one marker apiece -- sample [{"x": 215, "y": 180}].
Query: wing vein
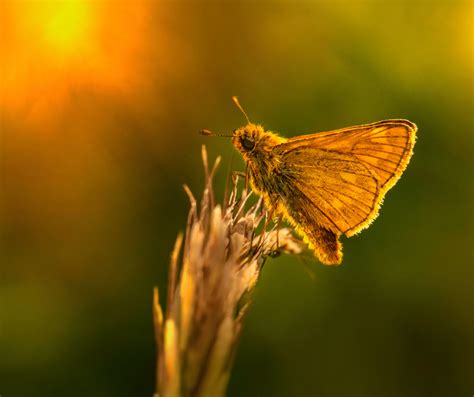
[
  {"x": 350, "y": 207},
  {"x": 389, "y": 144},
  {"x": 378, "y": 150},
  {"x": 319, "y": 209},
  {"x": 371, "y": 131},
  {"x": 376, "y": 157},
  {"x": 352, "y": 198},
  {"x": 388, "y": 136},
  {"x": 379, "y": 168},
  {"x": 335, "y": 209}
]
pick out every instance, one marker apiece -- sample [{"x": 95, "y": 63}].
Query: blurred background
[{"x": 100, "y": 106}]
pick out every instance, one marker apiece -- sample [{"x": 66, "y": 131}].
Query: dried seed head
[{"x": 222, "y": 257}]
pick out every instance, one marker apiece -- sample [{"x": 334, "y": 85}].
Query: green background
[{"x": 90, "y": 209}]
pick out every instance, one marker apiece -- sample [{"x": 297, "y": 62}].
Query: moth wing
[
  {"x": 343, "y": 175},
  {"x": 330, "y": 190}
]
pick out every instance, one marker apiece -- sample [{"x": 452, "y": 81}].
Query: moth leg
[
  {"x": 268, "y": 219},
  {"x": 236, "y": 175},
  {"x": 235, "y": 179},
  {"x": 246, "y": 176},
  {"x": 327, "y": 246},
  {"x": 277, "y": 222}
]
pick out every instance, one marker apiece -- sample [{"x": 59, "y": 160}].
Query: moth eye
[{"x": 248, "y": 143}]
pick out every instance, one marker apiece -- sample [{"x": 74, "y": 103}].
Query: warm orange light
[{"x": 50, "y": 48}]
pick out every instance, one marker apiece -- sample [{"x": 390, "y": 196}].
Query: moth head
[{"x": 246, "y": 138}]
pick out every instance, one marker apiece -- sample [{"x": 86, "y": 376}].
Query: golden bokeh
[
  {"x": 51, "y": 48},
  {"x": 68, "y": 25}
]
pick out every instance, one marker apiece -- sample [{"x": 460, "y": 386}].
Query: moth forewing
[{"x": 352, "y": 169}]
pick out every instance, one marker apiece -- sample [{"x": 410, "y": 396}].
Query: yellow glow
[
  {"x": 66, "y": 25},
  {"x": 50, "y": 48}
]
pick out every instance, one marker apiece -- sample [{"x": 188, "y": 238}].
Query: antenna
[
  {"x": 210, "y": 133},
  {"x": 236, "y": 102}
]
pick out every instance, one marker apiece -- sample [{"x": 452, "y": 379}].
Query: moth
[{"x": 326, "y": 184}]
